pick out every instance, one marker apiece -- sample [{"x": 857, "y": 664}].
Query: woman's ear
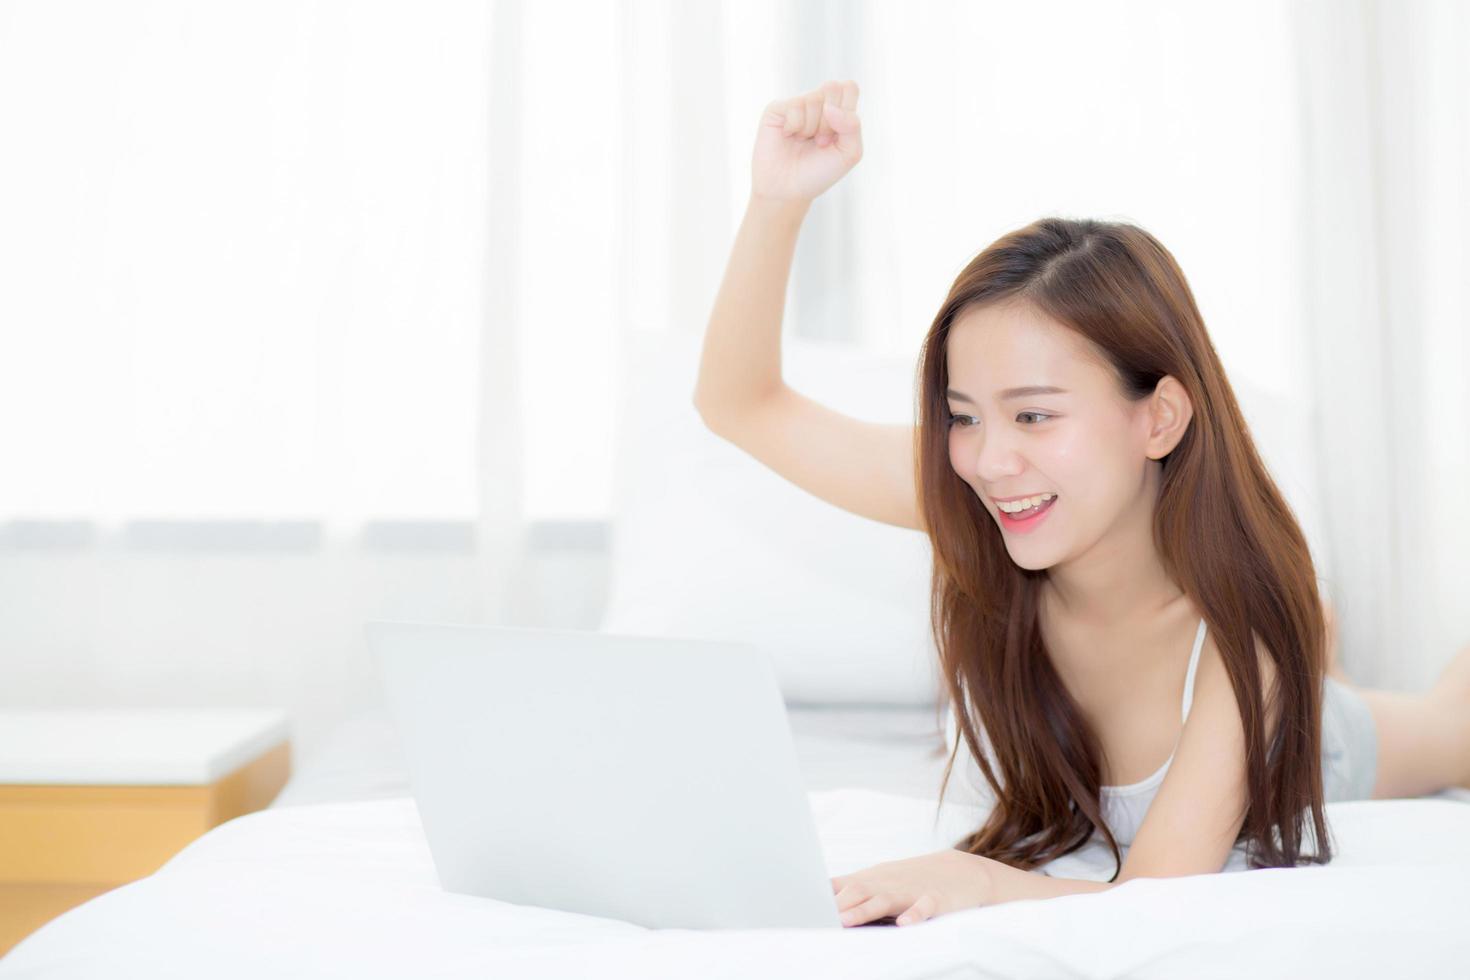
[{"x": 1169, "y": 412}]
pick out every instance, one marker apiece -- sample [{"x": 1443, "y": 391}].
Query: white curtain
[
  {"x": 243, "y": 253},
  {"x": 1384, "y": 102},
  {"x": 257, "y": 378}
]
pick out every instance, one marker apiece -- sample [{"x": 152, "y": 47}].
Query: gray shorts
[{"x": 1349, "y": 744}]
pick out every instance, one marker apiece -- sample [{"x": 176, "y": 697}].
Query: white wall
[{"x": 111, "y": 620}]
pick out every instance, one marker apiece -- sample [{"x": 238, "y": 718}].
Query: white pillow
[{"x": 709, "y": 542}]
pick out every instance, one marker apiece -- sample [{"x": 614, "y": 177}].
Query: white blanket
[{"x": 349, "y": 889}]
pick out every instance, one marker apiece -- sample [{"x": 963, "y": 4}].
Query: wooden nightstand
[{"x": 95, "y": 798}]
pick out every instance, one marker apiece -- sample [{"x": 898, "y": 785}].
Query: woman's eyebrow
[{"x": 1010, "y": 393}]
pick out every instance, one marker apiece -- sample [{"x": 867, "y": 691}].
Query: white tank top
[{"x": 1123, "y": 807}]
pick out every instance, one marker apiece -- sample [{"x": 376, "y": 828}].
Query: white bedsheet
[{"x": 348, "y": 889}]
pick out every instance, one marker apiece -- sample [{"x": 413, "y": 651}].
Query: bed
[{"x": 335, "y": 877}]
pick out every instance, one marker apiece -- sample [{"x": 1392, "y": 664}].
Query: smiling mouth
[
  {"x": 1025, "y": 506},
  {"x": 1026, "y": 514}
]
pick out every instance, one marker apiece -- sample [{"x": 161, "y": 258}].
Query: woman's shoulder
[{"x": 1212, "y": 680}]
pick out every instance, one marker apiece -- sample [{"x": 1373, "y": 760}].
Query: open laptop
[{"x": 648, "y": 779}]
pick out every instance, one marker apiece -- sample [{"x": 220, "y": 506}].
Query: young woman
[{"x": 1117, "y": 580}]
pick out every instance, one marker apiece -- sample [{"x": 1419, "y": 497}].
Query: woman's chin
[{"x": 1031, "y": 562}]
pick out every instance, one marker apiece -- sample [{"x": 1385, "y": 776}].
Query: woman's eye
[
  {"x": 1033, "y": 415},
  {"x": 960, "y": 420}
]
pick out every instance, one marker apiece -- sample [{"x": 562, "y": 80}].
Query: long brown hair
[{"x": 1222, "y": 528}]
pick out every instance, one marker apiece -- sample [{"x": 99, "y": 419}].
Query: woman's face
[{"x": 1037, "y": 411}]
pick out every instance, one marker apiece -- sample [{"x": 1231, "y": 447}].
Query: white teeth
[{"x": 1016, "y": 506}]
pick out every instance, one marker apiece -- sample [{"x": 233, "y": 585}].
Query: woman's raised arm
[{"x": 805, "y": 145}]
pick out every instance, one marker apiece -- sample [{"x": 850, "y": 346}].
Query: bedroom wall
[{"x": 156, "y": 616}]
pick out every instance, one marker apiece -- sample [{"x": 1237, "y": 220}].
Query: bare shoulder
[{"x": 1214, "y": 683}]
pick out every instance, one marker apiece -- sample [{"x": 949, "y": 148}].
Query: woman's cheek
[
  {"x": 957, "y": 461},
  {"x": 1069, "y": 459}
]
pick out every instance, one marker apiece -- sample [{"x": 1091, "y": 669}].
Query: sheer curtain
[
  {"x": 256, "y": 372},
  {"x": 1384, "y": 99},
  {"x": 244, "y": 260}
]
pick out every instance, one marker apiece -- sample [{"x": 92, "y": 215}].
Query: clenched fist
[{"x": 807, "y": 143}]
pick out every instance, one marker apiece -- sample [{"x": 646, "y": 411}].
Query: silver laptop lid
[{"x": 647, "y": 779}]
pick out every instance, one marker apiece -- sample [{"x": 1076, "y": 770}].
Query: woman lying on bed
[{"x": 1117, "y": 579}]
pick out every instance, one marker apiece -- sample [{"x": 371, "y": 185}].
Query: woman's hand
[
  {"x": 914, "y": 889},
  {"x": 807, "y": 143}
]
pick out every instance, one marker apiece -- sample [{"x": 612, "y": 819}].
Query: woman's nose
[{"x": 996, "y": 458}]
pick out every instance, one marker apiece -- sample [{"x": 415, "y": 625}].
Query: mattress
[
  {"x": 336, "y": 879},
  {"x": 349, "y": 889}
]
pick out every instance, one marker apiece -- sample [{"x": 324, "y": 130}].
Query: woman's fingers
[
  {"x": 836, "y": 119},
  {"x": 795, "y": 114},
  {"x": 923, "y": 909},
  {"x": 813, "y": 115},
  {"x": 806, "y": 116},
  {"x": 857, "y": 904},
  {"x": 775, "y": 115},
  {"x": 831, "y": 92},
  {"x": 850, "y": 896},
  {"x": 873, "y": 908}
]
